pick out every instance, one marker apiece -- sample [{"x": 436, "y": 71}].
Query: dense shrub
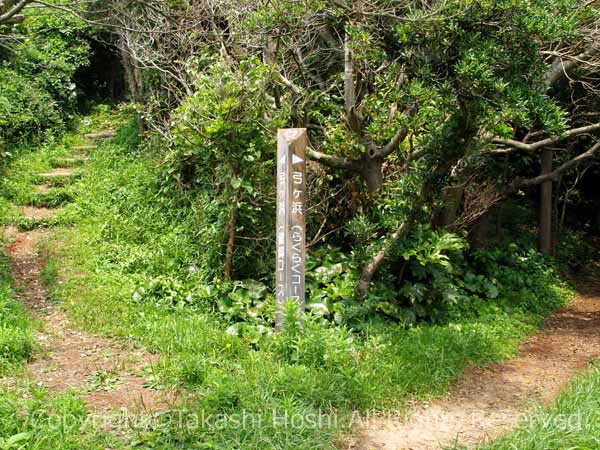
[
  {"x": 26, "y": 108},
  {"x": 222, "y": 152},
  {"x": 36, "y": 77}
]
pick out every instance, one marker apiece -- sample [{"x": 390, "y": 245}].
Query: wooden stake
[{"x": 291, "y": 210}]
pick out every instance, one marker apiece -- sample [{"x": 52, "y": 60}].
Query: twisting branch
[
  {"x": 375, "y": 263},
  {"x": 393, "y": 144},
  {"x": 332, "y": 161},
  {"x": 560, "y": 68},
  {"x": 518, "y": 145},
  {"x": 551, "y": 176},
  {"x": 6, "y": 17}
]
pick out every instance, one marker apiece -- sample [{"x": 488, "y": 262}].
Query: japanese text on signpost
[{"x": 291, "y": 185}]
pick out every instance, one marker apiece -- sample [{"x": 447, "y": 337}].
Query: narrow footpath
[
  {"x": 486, "y": 402},
  {"x": 109, "y": 374}
]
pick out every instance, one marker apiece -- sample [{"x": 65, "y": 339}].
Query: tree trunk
[
  {"x": 231, "y": 224},
  {"x": 128, "y": 69},
  {"x": 371, "y": 172},
  {"x": 349, "y": 88},
  {"x": 480, "y": 234},
  {"x": 453, "y": 196},
  {"x": 133, "y": 80},
  {"x": 375, "y": 263},
  {"x": 545, "y": 232},
  {"x": 556, "y": 213}
]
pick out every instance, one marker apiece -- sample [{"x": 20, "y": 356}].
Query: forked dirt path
[
  {"x": 485, "y": 402},
  {"x": 109, "y": 373}
]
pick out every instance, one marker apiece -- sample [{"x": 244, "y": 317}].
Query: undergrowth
[
  {"x": 16, "y": 342},
  {"x": 42, "y": 422},
  {"x": 134, "y": 267}
]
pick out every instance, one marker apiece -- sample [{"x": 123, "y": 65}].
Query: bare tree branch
[
  {"x": 6, "y": 16},
  {"x": 518, "y": 145},
  {"x": 560, "y": 68},
  {"x": 529, "y": 182}
]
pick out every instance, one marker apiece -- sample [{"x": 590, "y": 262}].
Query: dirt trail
[
  {"x": 488, "y": 401},
  {"x": 109, "y": 373}
]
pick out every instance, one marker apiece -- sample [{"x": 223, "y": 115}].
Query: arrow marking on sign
[{"x": 296, "y": 159}]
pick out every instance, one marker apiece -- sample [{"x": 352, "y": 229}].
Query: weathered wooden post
[
  {"x": 290, "y": 240},
  {"x": 545, "y": 237}
]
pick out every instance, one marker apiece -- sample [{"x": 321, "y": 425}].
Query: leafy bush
[
  {"x": 37, "y": 92},
  {"x": 223, "y": 147},
  {"x": 436, "y": 279},
  {"x": 524, "y": 278},
  {"x": 25, "y": 107},
  {"x": 574, "y": 250},
  {"x": 424, "y": 283},
  {"x": 53, "y": 48}
]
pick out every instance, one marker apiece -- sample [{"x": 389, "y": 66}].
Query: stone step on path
[
  {"x": 36, "y": 218},
  {"x": 81, "y": 155},
  {"x": 35, "y": 212},
  {"x": 100, "y": 135},
  {"x": 84, "y": 147},
  {"x": 73, "y": 161},
  {"x": 76, "y": 158},
  {"x": 58, "y": 172}
]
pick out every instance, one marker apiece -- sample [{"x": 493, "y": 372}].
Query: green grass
[
  {"x": 571, "y": 423},
  {"x": 125, "y": 233},
  {"x": 37, "y": 421},
  {"x": 33, "y": 223},
  {"x": 7, "y": 211},
  {"x": 54, "y": 198},
  {"x": 16, "y": 342}
]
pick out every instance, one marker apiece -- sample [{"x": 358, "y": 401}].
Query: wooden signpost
[{"x": 290, "y": 239}]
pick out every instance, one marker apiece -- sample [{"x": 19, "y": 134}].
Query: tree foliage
[
  {"x": 408, "y": 104},
  {"x": 37, "y": 65},
  {"x": 421, "y": 115}
]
